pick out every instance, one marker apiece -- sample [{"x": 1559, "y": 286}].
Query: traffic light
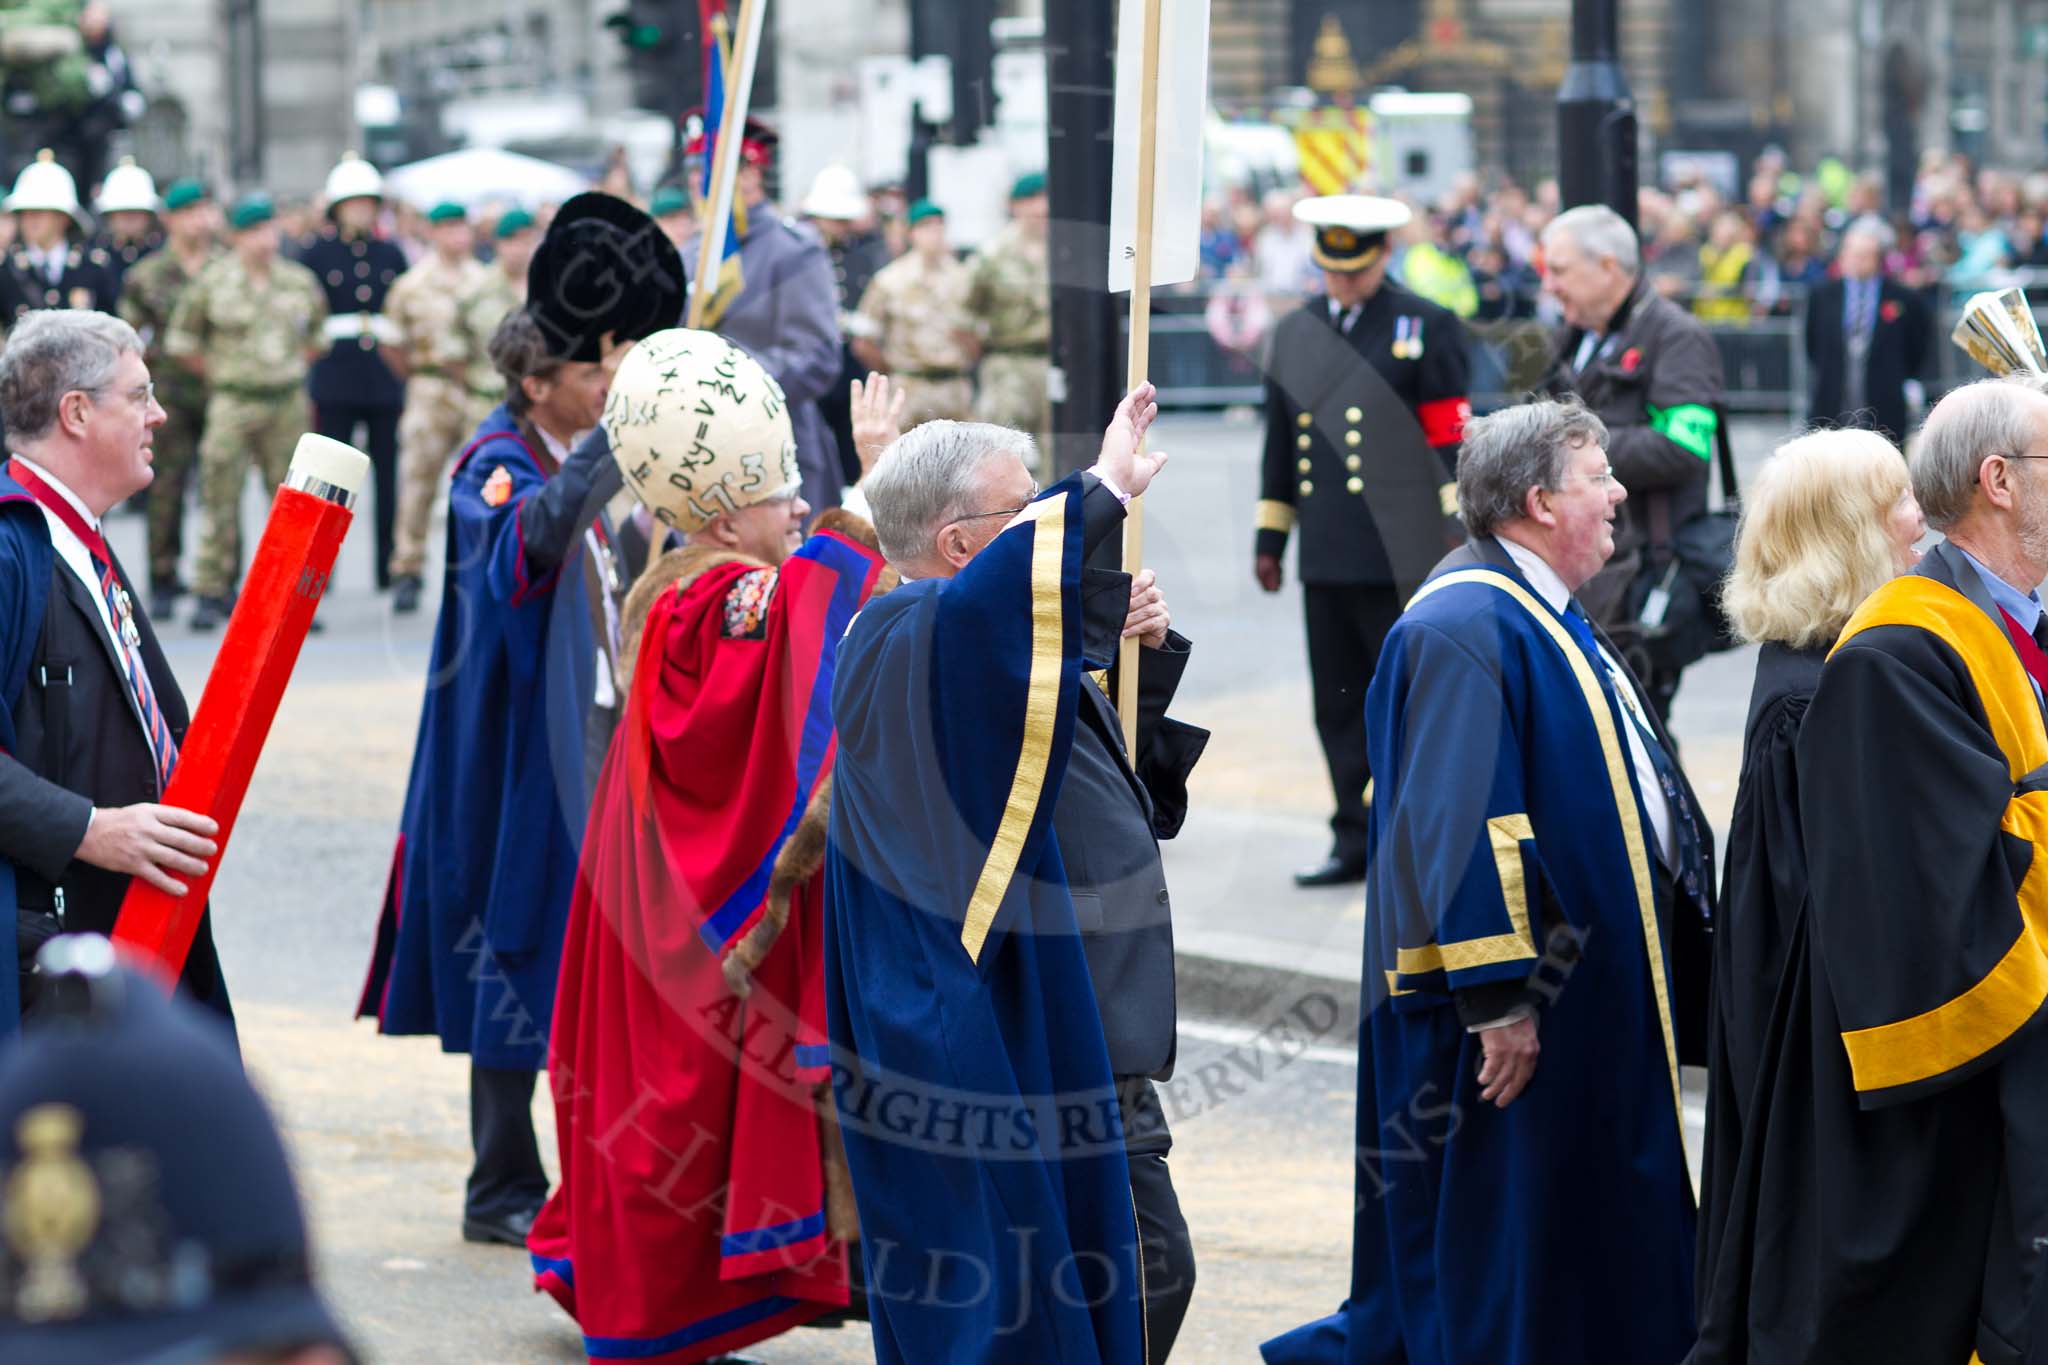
[{"x": 664, "y": 53}]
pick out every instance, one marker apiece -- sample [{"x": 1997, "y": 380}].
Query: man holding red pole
[{"x": 90, "y": 716}]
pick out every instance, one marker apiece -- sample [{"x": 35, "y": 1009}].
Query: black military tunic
[
  {"x": 85, "y": 281},
  {"x": 1363, "y": 417},
  {"x": 351, "y": 386},
  {"x": 121, "y": 255}
]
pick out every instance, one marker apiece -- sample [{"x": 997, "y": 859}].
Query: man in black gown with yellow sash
[{"x": 1894, "y": 1175}]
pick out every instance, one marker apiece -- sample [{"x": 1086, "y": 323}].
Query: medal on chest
[
  {"x": 1407, "y": 338},
  {"x": 124, "y": 617}
]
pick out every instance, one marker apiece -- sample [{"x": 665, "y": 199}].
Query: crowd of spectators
[{"x": 1730, "y": 259}]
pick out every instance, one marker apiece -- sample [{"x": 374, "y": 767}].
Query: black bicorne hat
[{"x": 604, "y": 267}]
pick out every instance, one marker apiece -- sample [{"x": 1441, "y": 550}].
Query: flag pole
[
  {"x": 725, "y": 161},
  {"x": 1140, "y": 357}
]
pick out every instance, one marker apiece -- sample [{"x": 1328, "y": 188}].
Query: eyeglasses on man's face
[
  {"x": 142, "y": 395},
  {"x": 1600, "y": 478}
]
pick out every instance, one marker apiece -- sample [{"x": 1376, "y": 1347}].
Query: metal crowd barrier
[{"x": 1763, "y": 361}]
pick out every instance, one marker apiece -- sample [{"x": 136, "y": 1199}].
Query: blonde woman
[{"x": 1828, "y": 520}]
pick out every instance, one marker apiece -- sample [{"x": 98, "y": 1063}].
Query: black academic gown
[
  {"x": 1763, "y": 911},
  {"x": 1889, "y": 1222}
]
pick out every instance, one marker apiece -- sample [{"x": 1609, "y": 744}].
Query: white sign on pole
[{"x": 1183, "y": 111}]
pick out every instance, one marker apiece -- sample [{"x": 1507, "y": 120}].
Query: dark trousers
[
  {"x": 1164, "y": 1250},
  {"x": 507, "y": 1176},
  {"x": 338, "y": 421},
  {"x": 1347, "y": 624}
]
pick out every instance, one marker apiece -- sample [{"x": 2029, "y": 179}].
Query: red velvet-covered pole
[{"x": 288, "y": 573}]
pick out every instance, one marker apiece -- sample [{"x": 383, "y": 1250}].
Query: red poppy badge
[
  {"x": 1890, "y": 310},
  {"x": 1630, "y": 359}
]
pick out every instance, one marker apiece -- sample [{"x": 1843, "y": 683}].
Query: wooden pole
[
  {"x": 1141, "y": 345},
  {"x": 725, "y": 163}
]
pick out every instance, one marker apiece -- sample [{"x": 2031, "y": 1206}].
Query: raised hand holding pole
[
  {"x": 1140, "y": 357},
  {"x": 1162, "y": 46}
]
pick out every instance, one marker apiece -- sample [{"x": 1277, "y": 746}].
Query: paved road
[{"x": 378, "y": 1126}]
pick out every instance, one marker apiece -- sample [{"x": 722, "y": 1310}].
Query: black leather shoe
[
  {"x": 1332, "y": 871},
  {"x": 504, "y": 1229},
  {"x": 405, "y": 594},
  {"x": 211, "y": 613}
]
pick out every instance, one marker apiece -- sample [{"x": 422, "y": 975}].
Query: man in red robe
[{"x": 688, "y": 1053}]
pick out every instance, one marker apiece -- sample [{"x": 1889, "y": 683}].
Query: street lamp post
[
  {"x": 245, "y": 92},
  {"x": 1596, "y": 115},
  {"x": 1087, "y": 350}
]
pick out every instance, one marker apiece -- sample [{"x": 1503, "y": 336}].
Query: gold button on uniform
[
  {"x": 1303, "y": 441},
  {"x": 1352, "y": 462},
  {"x": 1307, "y": 488},
  {"x": 1354, "y": 414},
  {"x": 1305, "y": 464},
  {"x": 1355, "y": 484},
  {"x": 1352, "y": 438},
  {"x": 1305, "y": 420}
]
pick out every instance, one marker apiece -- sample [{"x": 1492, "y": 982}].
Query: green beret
[
  {"x": 513, "y": 220},
  {"x": 668, "y": 199},
  {"x": 923, "y": 209},
  {"x": 1028, "y": 186},
  {"x": 251, "y": 210},
  {"x": 183, "y": 194},
  {"x": 447, "y": 211}
]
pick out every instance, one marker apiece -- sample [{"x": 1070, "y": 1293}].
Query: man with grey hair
[
  {"x": 1868, "y": 338},
  {"x": 994, "y": 864},
  {"x": 1901, "y": 1141},
  {"x": 94, "y": 716},
  {"x": 1652, "y": 373},
  {"x": 1538, "y": 870}
]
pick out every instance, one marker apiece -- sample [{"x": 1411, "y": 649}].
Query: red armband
[{"x": 1443, "y": 420}]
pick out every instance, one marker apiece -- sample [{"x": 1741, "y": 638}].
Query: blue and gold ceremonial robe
[
  {"x": 972, "y": 1080},
  {"x": 1508, "y": 844},
  {"x": 469, "y": 941}
]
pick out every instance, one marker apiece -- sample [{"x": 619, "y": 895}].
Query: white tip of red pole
[{"x": 328, "y": 469}]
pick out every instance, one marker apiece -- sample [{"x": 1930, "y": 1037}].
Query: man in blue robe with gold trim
[
  {"x": 974, "y": 1085},
  {"x": 1537, "y": 888}
]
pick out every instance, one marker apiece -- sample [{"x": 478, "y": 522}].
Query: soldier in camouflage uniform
[
  {"x": 149, "y": 298},
  {"x": 1011, "y": 297},
  {"x": 249, "y": 326},
  {"x": 503, "y": 289},
  {"x": 426, "y": 306},
  {"x": 915, "y": 323}
]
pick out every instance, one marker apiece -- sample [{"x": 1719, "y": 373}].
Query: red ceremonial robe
[{"x": 690, "y": 1218}]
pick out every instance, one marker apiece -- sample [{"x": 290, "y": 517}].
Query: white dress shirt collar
[
  {"x": 1541, "y": 576},
  {"x": 1636, "y": 730}
]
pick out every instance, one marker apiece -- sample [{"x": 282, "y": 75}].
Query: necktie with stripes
[{"x": 120, "y": 609}]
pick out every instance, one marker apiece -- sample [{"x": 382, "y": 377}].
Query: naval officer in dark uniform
[
  {"x": 50, "y": 266},
  {"x": 129, "y": 212},
  {"x": 1365, "y": 404},
  {"x": 351, "y": 386}
]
